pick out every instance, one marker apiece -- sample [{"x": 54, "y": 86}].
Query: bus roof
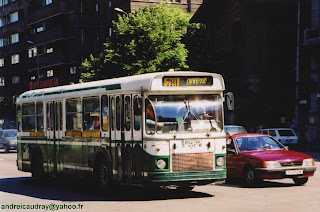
[{"x": 136, "y": 83}]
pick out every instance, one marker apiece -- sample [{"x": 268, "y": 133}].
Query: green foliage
[{"x": 148, "y": 40}]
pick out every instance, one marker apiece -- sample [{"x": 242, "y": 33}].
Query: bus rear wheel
[{"x": 104, "y": 176}]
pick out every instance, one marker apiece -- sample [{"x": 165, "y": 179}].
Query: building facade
[
  {"x": 308, "y": 110},
  {"x": 43, "y": 42},
  {"x": 254, "y": 47}
]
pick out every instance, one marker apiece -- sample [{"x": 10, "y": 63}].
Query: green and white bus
[{"x": 163, "y": 129}]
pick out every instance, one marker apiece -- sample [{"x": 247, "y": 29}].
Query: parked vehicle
[
  {"x": 8, "y": 140},
  {"x": 285, "y": 136},
  {"x": 255, "y": 157},
  {"x": 232, "y": 129}
]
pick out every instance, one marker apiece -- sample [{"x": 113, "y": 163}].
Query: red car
[{"x": 256, "y": 157}]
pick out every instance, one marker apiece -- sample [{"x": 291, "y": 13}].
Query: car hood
[
  {"x": 10, "y": 138},
  {"x": 277, "y": 155}
]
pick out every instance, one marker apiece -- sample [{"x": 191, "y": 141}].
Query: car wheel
[
  {"x": 250, "y": 176},
  {"x": 300, "y": 181},
  {"x": 104, "y": 176},
  {"x": 6, "y": 149}
]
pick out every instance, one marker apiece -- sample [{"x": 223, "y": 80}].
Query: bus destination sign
[{"x": 187, "y": 81}]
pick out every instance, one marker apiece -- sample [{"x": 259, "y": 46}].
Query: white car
[
  {"x": 232, "y": 129},
  {"x": 283, "y": 135}
]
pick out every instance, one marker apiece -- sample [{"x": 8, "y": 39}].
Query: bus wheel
[
  {"x": 37, "y": 166},
  {"x": 104, "y": 176},
  {"x": 300, "y": 181}
]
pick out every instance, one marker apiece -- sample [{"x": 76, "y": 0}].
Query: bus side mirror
[{"x": 229, "y": 99}]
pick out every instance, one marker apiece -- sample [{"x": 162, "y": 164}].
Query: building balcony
[
  {"x": 311, "y": 37},
  {"x": 50, "y": 36}
]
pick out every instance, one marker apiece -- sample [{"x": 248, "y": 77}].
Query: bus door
[
  {"x": 127, "y": 136},
  {"x": 54, "y": 133},
  {"x": 115, "y": 132},
  {"x": 136, "y": 126}
]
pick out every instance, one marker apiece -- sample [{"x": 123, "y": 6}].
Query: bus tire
[
  {"x": 37, "y": 169},
  {"x": 104, "y": 176}
]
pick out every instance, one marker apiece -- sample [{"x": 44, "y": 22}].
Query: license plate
[
  {"x": 191, "y": 143},
  {"x": 294, "y": 172}
]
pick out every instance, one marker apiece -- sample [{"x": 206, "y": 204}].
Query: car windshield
[
  {"x": 234, "y": 129},
  {"x": 184, "y": 113},
  {"x": 286, "y": 133},
  {"x": 11, "y": 133},
  {"x": 257, "y": 143}
]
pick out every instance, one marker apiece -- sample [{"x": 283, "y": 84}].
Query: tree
[{"x": 148, "y": 40}]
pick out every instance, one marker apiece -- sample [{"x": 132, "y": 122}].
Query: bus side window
[
  {"x": 137, "y": 110},
  {"x": 127, "y": 108},
  {"x": 118, "y": 113},
  {"x": 91, "y": 113},
  {"x": 39, "y": 114},
  {"x": 28, "y": 117},
  {"x": 150, "y": 117},
  {"x": 112, "y": 113},
  {"x": 105, "y": 113},
  {"x": 73, "y": 114},
  {"x": 19, "y": 118}
]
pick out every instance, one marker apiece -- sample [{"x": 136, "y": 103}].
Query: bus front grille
[{"x": 192, "y": 162}]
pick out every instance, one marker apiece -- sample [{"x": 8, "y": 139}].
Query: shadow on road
[
  {"x": 58, "y": 189},
  {"x": 238, "y": 183}
]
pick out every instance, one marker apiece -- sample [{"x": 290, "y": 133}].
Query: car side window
[
  {"x": 272, "y": 132},
  {"x": 231, "y": 149}
]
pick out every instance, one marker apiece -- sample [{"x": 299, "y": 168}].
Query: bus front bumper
[{"x": 192, "y": 178}]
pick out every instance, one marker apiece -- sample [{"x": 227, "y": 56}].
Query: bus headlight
[
  {"x": 220, "y": 161},
  {"x": 161, "y": 164}
]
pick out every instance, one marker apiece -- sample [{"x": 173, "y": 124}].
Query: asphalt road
[{"x": 278, "y": 195}]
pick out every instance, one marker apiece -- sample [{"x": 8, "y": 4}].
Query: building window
[
  {"x": 50, "y": 73},
  {"x": 1, "y": 41},
  {"x": 97, "y": 7},
  {"x": 49, "y": 50},
  {"x": 15, "y": 59},
  {"x": 15, "y": 80},
  {"x": 3, "y": 2},
  {"x": 14, "y": 38},
  {"x": 14, "y": 17},
  {"x": 73, "y": 70},
  {"x": 2, "y": 81},
  {"x": 1, "y": 62},
  {"x": 32, "y": 52},
  {"x": 47, "y": 2},
  {"x": 1, "y": 21},
  {"x": 33, "y": 77},
  {"x": 41, "y": 28}
]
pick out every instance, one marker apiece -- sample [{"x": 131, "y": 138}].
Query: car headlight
[
  {"x": 220, "y": 161},
  {"x": 308, "y": 162},
  {"x": 161, "y": 164},
  {"x": 272, "y": 164}
]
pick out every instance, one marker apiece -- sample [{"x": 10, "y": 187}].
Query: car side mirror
[
  {"x": 229, "y": 99},
  {"x": 231, "y": 151}
]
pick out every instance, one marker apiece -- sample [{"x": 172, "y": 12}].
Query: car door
[
  {"x": 232, "y": 156},
  {"x": 1, "y": 140}
]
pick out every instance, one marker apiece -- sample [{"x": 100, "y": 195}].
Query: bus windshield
[{"x": 184, "y": 113}]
